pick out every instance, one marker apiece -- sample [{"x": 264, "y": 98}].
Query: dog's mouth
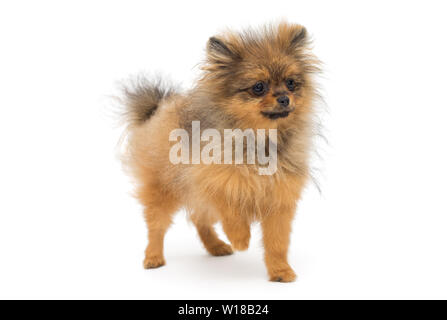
[{"x": 277, "y": 114}]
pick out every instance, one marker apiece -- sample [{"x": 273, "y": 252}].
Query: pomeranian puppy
[{"x": 257, "y": 80}]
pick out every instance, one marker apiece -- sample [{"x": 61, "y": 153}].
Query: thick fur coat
[{"x": 225, "y": 96}]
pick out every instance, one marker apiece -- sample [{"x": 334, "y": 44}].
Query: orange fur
[{"x": 235, "y": 195}]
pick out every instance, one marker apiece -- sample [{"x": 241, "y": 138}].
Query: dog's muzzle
[{"x": 276, "y": 114}]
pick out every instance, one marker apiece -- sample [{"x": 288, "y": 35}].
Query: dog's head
[{"x": 262, "y": 78}]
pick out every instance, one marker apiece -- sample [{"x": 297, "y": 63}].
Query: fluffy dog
[{"x": 256, "y": 79}]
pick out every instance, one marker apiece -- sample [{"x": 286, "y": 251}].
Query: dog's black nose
[{"x": 283, "y": 101}]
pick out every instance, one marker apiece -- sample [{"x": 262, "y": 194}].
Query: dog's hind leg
[{"x": 158, "y": 212}]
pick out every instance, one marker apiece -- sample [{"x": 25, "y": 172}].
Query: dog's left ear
[
  {"x": 299, "y": 37},
  {"x": 220, "y": 53}
]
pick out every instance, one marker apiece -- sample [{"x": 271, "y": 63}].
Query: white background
[{"x": 69, "y": 227}]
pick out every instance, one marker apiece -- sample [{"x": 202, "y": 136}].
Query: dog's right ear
[{"x": 220, "y": 53}]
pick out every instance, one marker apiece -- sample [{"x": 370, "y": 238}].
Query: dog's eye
[
  {"x": 259, "y": 88},
  {"x": 291, "y": 84}
]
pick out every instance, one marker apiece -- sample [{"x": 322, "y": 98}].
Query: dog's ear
[
  {"x": 293, "y": 37},
  {"x": 299, "y": 37},
  {"x": 220, "y": 53}
]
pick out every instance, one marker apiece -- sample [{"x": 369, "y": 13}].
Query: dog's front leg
[
  {"x": 276, "y": 229},
  {"x": 237, "y": 228}
]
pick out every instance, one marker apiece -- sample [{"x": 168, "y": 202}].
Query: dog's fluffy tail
[{"x": 142, "y": 97}]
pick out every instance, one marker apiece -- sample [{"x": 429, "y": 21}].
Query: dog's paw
[
  {"x": 151, "y": 262},
  {"x": 283, "y": 275},
  {"x": 222, "y": 249}
]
